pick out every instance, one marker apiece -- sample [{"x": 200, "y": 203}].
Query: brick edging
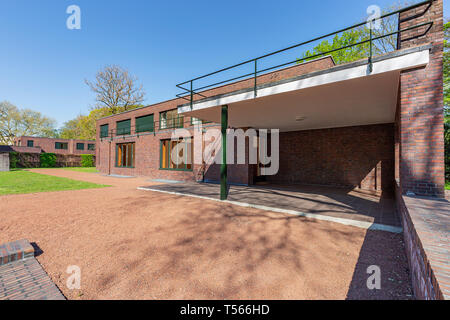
[
  {"x": 424, "y": 282},
  {"x": 16, "y": 250}
]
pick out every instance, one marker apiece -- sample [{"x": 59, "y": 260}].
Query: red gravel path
[{"x": 133, "y": 244}]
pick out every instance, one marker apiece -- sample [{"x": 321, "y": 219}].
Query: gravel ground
[{"x": 133, "y": 244}]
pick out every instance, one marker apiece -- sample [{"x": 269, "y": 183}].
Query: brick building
[
  {"x": 58, "y": 146},
  {"x": 340, "y": 125}
]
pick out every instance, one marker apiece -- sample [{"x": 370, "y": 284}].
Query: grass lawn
[
  {"x": 16, "y": 182},
  {"x": 80, "y": 169},
  {"x": 447, "y": 185}
]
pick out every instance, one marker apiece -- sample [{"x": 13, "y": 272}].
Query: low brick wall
[
  {"x": 426, "y": 232},
  {"x": 68, "y": 160},
  {"x": 14, "y": 251},
  {"x": 24, "y": 160},
  {"x": 33, "y": 160}
]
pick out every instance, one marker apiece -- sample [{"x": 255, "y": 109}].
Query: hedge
[
  {"x": 13, "y": 159},
  {"x": 87, "y": 160},
  {"x": 48, "y": 160}
]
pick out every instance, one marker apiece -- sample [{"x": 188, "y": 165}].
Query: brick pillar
[{"x": 420, "y": 117}]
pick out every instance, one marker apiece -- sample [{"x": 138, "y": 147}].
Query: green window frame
[
  {"x": 170, "y": 119},
  {"x": 123, "y": 127},
  {"x": 30, "y": 143},
  {"x": 165, "y": 150},
  {"x": 104, "y": 130},
  {"x": 80, "y": 146},
  {"x": 61, "y": 145},
  {"x": 91, "y": 146},
  {"x": 145, "y": 123},
  {"x": 125, "y": 155}
]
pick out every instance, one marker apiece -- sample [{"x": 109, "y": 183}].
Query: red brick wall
[
  {"x": 354, "y": 157},
  {"x": 48, "y": 145},
  {"x": 420, "y": 111},
  {"x": 147, "y": 146},
  {"x": 147, "y": 161},
  {"x": 424, "y": 282},
  {"x": 420, "y": 146}
]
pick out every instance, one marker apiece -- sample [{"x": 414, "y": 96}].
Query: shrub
[
  {"x": 87, "y": 160},
  {"x": 13, "y": 159},
  {"x": 48, "y": 160}
]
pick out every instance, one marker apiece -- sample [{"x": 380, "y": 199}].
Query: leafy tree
[
  {"x": 339, "y": 41},
  {"x": 116, "y": 89},
  {"x": 84, "y": 127},
  {"x": 359, "y": 34},
  {"x": 15, "y": 122}
]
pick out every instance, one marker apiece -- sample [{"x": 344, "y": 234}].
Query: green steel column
[{"x": 223, "y": 166}]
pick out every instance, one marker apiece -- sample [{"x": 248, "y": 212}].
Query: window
[
  {"x": 144, "y": 124},
  {"x": 80, "y": 146},
  {"x": 170, "y": 119},
  {"x": 61, "y": 145},
  {"x": 125, "y": 155},
  {"x": 91, "y": 146},
  {"x": 104, "y": 131},
  {"x": 30, "y": 143},
  {"x": 123, "y": 127},
  {"x": 197, "y": 121},
  {"x": 184, "y": 147}
]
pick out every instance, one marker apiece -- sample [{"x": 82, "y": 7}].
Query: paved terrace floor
[
  {"x": 26, "y": 280},
  {"x": 363, "y": 207}
]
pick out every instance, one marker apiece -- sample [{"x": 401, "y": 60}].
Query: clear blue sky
[{"x": 43, "y": 64}]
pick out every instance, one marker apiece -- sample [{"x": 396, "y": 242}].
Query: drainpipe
[
  {"x": 223, "y": 166},
  {"x": 109, "y": 158}
]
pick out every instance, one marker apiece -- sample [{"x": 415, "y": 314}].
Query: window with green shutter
[
  {"x": 123, "y": 127},
  {"x": 61, "y": 145},
  {"x": 91, "y": 146},
  {"x": 30, "y": 143},
  {"x": 145, "y": 123},
  {"x": 104, "y": 131},
  {"x": 80, "y": 146}
]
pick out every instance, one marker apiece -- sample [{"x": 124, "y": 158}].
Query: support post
[
  {"x": 255, "y": 83},
  {"x": 370, "y": 53},
  {"x": 223, "y": 166}
]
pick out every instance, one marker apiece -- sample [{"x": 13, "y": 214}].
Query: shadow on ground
[{"x": 386, "y": 251}]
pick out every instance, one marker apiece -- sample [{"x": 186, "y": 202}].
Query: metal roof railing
[{"x": 192, "y": 91}]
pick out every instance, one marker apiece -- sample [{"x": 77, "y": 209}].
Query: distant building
[{"x": 51, "y": 145}]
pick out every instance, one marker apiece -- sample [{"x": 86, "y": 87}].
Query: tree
[
  {"x": 339, "y": 41},
  {"x": 15, "y": 122},
  {"x": 116, "y": 89},
  {"x": 84, "y": 127}
]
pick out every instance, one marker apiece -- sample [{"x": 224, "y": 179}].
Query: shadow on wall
[
  {"x": 356, "y": 157},
  {"x": 352, "y": 157},
  {"x": 420, "y": 172}
]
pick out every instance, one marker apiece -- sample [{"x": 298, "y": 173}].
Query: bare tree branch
[{"x": 115, "y": 88}]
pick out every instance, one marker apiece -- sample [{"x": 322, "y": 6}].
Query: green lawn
[
  {"x": 16, "y": 182},
  {"x": 447, "y": 185}
]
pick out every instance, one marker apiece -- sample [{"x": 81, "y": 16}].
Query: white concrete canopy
[{"x": 338, "y": 97}]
